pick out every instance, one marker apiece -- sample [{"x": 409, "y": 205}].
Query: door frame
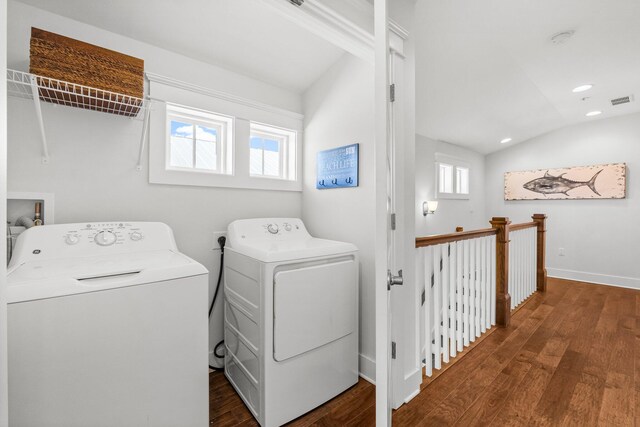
[{"x": 382, "y": 218}]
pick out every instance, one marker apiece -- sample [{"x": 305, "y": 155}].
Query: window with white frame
[
  {"x": 198, "y": 141},
  {"x": 272, "y": 152},
  {"x": 452, "y": 177}
]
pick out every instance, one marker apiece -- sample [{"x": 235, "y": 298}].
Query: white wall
[
  {"x": 3, "y": 234},
  {"x": 600, "y": 237},
  {"x": 338, "y": 111},
  {"x": 470, "y": 213},
  {"x": 93, "y": 155}
]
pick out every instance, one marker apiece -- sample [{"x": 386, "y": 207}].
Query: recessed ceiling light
[
  {"x": 593, "y": 113},
  {"x": 582, "y": 88},
  {"x": 504, "y": 141}
]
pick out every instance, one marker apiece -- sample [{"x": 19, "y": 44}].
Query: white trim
[
  {"x": 597, "y": 278},
  {"x": 367, "y": 368},
  {"x": 398, "y": 30},
  {"x": 412, "y": 395},
  {"x": 170, "y": 81},
  {"x": 326, "y": 23}
]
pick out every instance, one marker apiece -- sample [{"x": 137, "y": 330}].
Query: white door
[{"x": 384, "y": 244}]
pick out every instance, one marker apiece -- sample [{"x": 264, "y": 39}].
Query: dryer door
[{"x": 313, "y": 306}]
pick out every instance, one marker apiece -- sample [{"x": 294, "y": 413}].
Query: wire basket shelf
[{"x": 25, "y": 85}]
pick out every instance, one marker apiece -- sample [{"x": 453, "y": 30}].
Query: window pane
[
  {"x": 446, "y": 178},
  {"x": 181, "y": 153},
  {"x": 255, "y": 156},
  {"x": 462, "y": 180},
  {"x": 271, "y": 157},
  {"x": 206, "y": 145}
]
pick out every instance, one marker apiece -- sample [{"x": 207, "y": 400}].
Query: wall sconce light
[{"x": 429, "y": 207}]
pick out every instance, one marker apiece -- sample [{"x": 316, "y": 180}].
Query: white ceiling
[
  {"x": 487, "y": 70},
  {"x": 247, "y": 36}
]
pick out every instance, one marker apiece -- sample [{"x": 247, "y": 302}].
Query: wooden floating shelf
[{"x": 24, "y": 85}]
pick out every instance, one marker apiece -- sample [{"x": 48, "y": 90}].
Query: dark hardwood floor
[
  {"x": 568, "y": 358},
  {"x": 354, "y": 407}
]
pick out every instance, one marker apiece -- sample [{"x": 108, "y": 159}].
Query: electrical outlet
[
  {"x": 216, "y": 236},
  {"x": 560, "y": 251}
]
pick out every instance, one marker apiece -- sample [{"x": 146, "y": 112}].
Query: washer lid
[{"x": 51, "y": 278}]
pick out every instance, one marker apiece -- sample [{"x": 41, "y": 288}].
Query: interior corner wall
[
  {"x": 339, "y": 110},
  {"x": 451, "y": 213},
  {"x": 4, "y": 420},
  {"x": 600, "y": 237},
  {"x": 92, "y": 171}
]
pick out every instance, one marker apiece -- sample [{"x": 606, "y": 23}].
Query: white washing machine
[
  {"x": 291, "y": 317},
  {"x": 107, "y": 326}
]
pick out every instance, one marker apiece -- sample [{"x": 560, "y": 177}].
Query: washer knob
[
  {"x": 272, "y": 228},
  {"x": 71, "y": 239},
  {"x": 105, "y": 238},
  {"x": 287, "y": 226},
  {"x": 136, "y": 236}
]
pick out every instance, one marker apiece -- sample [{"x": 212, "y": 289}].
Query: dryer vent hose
[{"x": 24, "y": 221}]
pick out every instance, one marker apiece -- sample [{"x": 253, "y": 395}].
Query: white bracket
[
  {"x": 36, "y": 101},
  {"x": 143, "y": 139}
]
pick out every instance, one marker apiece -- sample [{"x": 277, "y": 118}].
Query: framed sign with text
[{"x": 338, "y": 167}]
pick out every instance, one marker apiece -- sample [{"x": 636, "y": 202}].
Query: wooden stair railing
[{"x": 467, "y": 277}]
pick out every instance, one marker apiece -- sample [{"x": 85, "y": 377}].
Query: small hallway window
[{"x": 453, "y": 178}]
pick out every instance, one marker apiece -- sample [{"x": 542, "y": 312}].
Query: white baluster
[
  {"x": 452, "y": 298},
  {"x": 466, "y": 308},
  {"x": 459, "y": 290},
  {"x": 478, "y": 276},
  {"x": 445, "y": 302},
  {"x": 472, "y": 290},
  {"x": 483, "y": 271},
  {"x": 428, "y": 310},
  {"x": 437, "y": 308},
  {"x": 493, "y": 280}
]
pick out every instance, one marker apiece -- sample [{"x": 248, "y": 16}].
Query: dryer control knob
[
  {"x": 105, "y": 238},
  {"x": 272, "y": 228},
  {"x": 71, "y": 239},
  {"x": 136, "y": 236},
  {"x": 287, "y": 226}
]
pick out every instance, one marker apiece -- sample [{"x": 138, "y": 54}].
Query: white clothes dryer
[{"x": 291, "y": 317}]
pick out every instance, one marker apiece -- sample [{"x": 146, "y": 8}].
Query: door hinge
[
  {"x": 393, "y": 349},
  {"x": 392, "y": 92},
  {"x": 424, "y": 297},
  {"x": 393, "y": 221}
]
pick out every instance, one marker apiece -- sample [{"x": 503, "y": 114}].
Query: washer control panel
[
  {"x": 55, "y": 241},
  {"x": 104, "y": 234}
]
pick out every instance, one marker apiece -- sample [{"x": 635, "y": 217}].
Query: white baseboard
[
  {"x": 413, "y": 381},
  {"x": 600, "y": 279},
  {"x": 368, "y": 368}
]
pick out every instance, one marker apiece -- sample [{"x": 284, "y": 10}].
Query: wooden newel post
[
  {"x": 503, "y": 299},
  {"x": 541, "y": 269}
]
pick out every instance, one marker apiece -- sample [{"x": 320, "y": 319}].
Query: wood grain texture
[
  {"x": 437, "y": 239},
  {"x": 568, "y": 358},
  {"x": 62, "y": 58},
  {"x": 503, "y": 298}
]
